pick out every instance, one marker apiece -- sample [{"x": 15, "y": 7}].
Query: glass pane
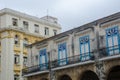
[
  {"x": 43, "y": 65},
  {"x": 82, "y": 49},
  {"x": 115, "y": 41},
  {"x": 110, "y": 46},
  {"x": 86, "y": 48},
  {"x": 116, "y": 47},
  {"x": 87, "y": 51},
  {"x": 64, "y": 56},
  {"x": 42, "y": 59}
]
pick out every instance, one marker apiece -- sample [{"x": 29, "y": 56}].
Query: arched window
[{"x": 16, "y": 40}]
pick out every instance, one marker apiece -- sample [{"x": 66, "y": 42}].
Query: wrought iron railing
[
  {"x": 55, "y": 64},
  {"x": 109, "y": 51},
  {"x": 103, "y": 52}
]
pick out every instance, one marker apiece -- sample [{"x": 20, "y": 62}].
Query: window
[
  {"x": 16, "y": 39},
  {"x": 62, "y": 54},
  {"x": 17, "y": 59},
  {"x": 16, "y": 77},
  {"x": 25, "y": 25},
  {"x": 36, "y": 28},
  {"x": 112, "y": 39},
  {"x": 46, "y": 31},
  {"x": 84, "y": 48},
  {"x": 25, "y": 42},
  {"x": 55, "y": 32},
  {"x": 43, "y": 59},
  {"x": 14, "y": 22},
  {"x": 25, "y": 61}
]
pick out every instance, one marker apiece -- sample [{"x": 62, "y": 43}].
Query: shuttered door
[
  {"x": 62, "y": 54},
  {"x": 84, "y": 48},
  {"x": 43, "y": 59},
  {"x": 112, "y": 37}
]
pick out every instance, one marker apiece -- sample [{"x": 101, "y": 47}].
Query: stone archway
[
  {"x": 89, "y": 75},
  {"x": 64, "y": 77},
  {"x": 114, "y": 73},
  {"x": 44, "y": 79}
]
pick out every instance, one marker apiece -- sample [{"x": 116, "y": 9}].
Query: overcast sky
[{"x": 70, "y": 13}]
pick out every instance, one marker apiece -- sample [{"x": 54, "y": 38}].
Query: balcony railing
[
  {"x": 56, "y": 63},
  {"x": 103, "y": 52},
  {"x": 109, "y": 51}
]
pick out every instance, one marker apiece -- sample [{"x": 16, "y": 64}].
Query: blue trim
[
  {"x": 62, "y": 47},
  {"x": 115, "y": 33},
  {"x": 84, "y": 40},
  {"x": 42, "y": 53}
]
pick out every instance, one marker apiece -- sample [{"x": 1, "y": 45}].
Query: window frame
[
  {"x": 36, "y": 28},
  {"x": 25, "y": 25},
  {"x": 83, "y": 44},
  {"x": 14, "y": 22},
  {"x": 55, "y": 32},
  {"x": 46, "y": 31},
  {"x": 17, "y": 59}
]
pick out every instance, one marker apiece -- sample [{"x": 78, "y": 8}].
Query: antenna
[{"x": 47, "y": 13}]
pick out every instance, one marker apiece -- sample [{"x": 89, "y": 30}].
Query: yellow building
[{"x": 16, "y": 31}]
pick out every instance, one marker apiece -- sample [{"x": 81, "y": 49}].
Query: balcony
[
  {"x": 17, "y": 48},
  {"x": 104, "y": 53},
  {"x": 56, "y": 64},
  {"x": 109, "y": 52}
]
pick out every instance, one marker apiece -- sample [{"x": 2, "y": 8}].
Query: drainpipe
[
  {"x": 73, "y": 42},
  {"x": 51, "y": 72}
]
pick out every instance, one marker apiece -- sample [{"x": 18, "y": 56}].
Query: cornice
[{"x": 28, "y": 17}]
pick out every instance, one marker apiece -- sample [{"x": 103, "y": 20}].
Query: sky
[{"x": 70, "y": 13}]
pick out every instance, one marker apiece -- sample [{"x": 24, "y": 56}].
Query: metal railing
[
  {"x": 109, "y": 51},
  {"x": 103, "y": 52},
  {"x": 55, "y": 64}
]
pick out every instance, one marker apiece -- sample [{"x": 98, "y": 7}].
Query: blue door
[
  {"x": 84, "y": 48},
  {"x": 112, "y": 40},
  {"x": 43, "y": 59},
  {"x": 62, "y": 54}
]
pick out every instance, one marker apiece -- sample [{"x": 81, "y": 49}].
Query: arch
[
  {"x": 43, "y": 79},
  {"x": 64, "y": 77},
  {"x": 114, "y": 73},
  {"x": 89, "y": 75}
]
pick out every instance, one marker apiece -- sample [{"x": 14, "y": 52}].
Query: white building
[
  {"x": 89, "y": 52},
  {"x": 16, "y": 30}
]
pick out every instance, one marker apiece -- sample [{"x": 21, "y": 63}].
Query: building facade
[
  {"x": 89, "y": 52},
  {"x": 16, "y": 31}
]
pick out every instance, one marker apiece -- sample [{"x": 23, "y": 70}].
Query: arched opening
[
  {"x": 44, "y": 79},
  {"x": 89, "y": 75},
  {"x": 114, "y": 73},
  {"x": 64, "y": 77}
]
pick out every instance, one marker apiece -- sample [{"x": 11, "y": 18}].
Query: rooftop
[{"x": 29, "y": 17}]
